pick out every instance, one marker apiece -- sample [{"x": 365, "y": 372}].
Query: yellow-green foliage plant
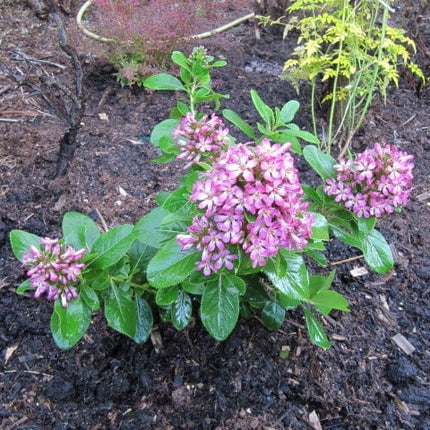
[{"x": 348, "y": 48}]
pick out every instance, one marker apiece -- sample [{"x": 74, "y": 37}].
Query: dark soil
[{"x": 189, "y": 381}]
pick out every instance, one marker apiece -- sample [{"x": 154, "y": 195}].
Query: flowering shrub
[{"x": 234, "y": 238}]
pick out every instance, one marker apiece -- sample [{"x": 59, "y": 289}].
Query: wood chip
[
  {"x": 358, "y": 271},
  {"x": 403, "y": 344},
  {"x": 103, "y": 116},
  {"x": 423, "y": 196},
  {"x": 314, "y": 421},
  {"x": 9, "y": 352}
]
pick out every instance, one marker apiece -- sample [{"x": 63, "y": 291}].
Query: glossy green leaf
[
  {"x": 376, "y": 251},
  {"x": 171, "y": 265},
  {"x": 236, "y": 120},
  {"x": 289, "y": 110},
  {"x": 120, "y": 310},
  {"x": 366, "y": 225},
  {"x": 24, "y": 287},
  {"x": 166, "y": 296},
  {"x": 149, "y": 231},
  {"x": 111, "y": 246},
  {"x": 144, "y": 320},
  {"x": 89, "y": 296},
  {"x": 320, "y": 227},
  {"x": 263, "y": 109},
  {"x": 330, "y": 299},
  {"x": 79, "y": 230},
  {"x": 321, "y": 162},
  {"x": 163, "y": 81},
  {"x": 163, "y": 130},
  {"x": 219, "y": 309},
  {"x": 295, "y": 283},
  {"x": 315, "y": 330},
  {"x": 69, "y": 324},
  {"x": 21, "y": 241},
  {"x": 319, "y": 283},
  {"x": 272, "y": 315},
  {"x": 181, "y": 310}
]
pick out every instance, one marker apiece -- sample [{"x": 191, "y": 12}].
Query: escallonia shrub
[
  {"x": 144, "y": 33},
  {"x": 236, "y": 236}
]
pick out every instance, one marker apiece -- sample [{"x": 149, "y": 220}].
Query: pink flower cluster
[
  {"x": 375, "y": 182},
  {"x": 200, "y": 138},
  {"x": 53, "y": 271},
  {"x": 251, "y": 197}
]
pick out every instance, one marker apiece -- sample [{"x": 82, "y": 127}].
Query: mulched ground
[{"x": 187, "y": 380}]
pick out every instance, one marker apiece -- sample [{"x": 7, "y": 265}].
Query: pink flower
[
  {"x": 375, "y": 182},
  {"x": 251, "y": 198},
  {"x": 53, "y": 271}
]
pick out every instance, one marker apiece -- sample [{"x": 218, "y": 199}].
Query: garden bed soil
[{"x": 256, "y": 379}]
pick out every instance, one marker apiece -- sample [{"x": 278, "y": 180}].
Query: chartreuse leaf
[
  {"x": 318, "y": 283},
  {"x": 376, "y": 251},
  {"x": 171, "y": 265},
  {"x": 329, "y": 300},
  {"x": 272, "y": 315},
  {"x": 111, "y": 246},
  {"x": 79, "y": 230},
  {"x": 21, "y": 241},
  {"x": 236, "y": 120},
  {"x": 69, "y": 324},
  {"x": 180, "y": 59},
  {"x": 321, "y": 162},
  {"x": 181, "y": 310},
  {"x": 219, "y": 308},
  {"x": 163, "y": 81},
  {"x": 315, "y": 329}
]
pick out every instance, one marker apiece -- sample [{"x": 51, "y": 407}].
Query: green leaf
[
  {"x": 263, "y": 109},
  {"x": 21, "y": 241},
  {"x": 302, "y": 134},
  {"x": 166, "y": 296},
  {"x": 295, "y": 282},
  {"x": 219, "y": 309},
  {"x": 148, "y": 228},
  {"x": 23, "y": 287},
  {"x": 163, "y": 130},
  {"x": 289, "y": 110},
  {"x": 317, "y": 256},
  {"x": 376, "y": 251},
  {"x": 180, "y": 59},
  {"x": 320, "y": 227},
  {"x": 69, "y": 324},
  {"x": 236, "y": 120},
  {"x": 182, "y": 310},
  {"x": 315, "y": 329},
  {"x": 319, "y": 283},
  {"x": 366, "y": 225},
  {"x": 144, "y": 320},
  {"x": 321, "y": 162},
  {"x": 272, "y": 315},
  {"x": 111, "y": 246},
  {"x": 163, "y": 81},
  {"x": 120, "y": 310},
  {"x": 79, "y": 230},
  {"x": 171, "y": 265},
  {"x": 139, "y": 256},
  {"x": 330, "y": 299},
  {"x": 89, "y": 296}
]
